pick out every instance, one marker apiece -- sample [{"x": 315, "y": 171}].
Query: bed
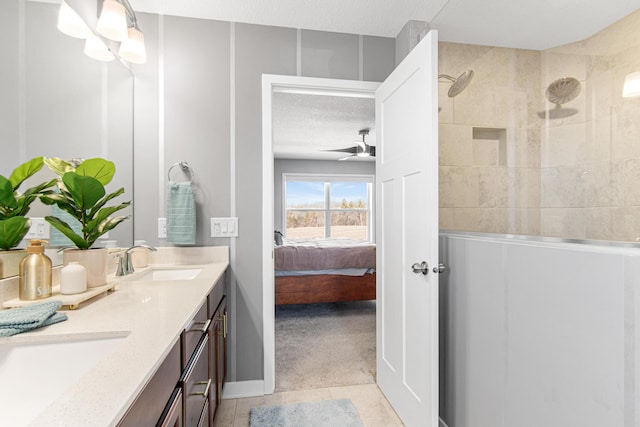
[{"x": 324, "y": 270}]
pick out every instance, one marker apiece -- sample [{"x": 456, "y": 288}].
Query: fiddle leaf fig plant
[
  {"x": 14, "y": 205},
  {"x": 82, "y": 194}
]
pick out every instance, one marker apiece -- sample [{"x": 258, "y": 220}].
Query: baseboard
[
  {"x": 442, "y": 423},
  {"x": 239, "y": 389}
]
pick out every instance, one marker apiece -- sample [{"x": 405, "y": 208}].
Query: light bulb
[
  {"x": 132, "y": 49},
  {"x": 70, "y": 23},
  {"x": 113, "y": 21},
  {"x": 95, "y": 48}
]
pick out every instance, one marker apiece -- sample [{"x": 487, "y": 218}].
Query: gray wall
[
  {"x": 198, "y": 99},
  {"x": 328, "y": 167},
  {"x": 56, "y": 101}
]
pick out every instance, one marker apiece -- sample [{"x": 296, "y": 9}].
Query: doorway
[{"x": 301, "y": 85}]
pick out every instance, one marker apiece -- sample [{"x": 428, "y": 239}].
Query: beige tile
[
  {"x": 493, "y": 187},
  {"x": 523, "y": 221},
  {"x": 625, "y": 132},
  {"x": 456, "y": 146},
  {"x": 458, "y": 186},
  {"x": 486, "y": 152},
  {"x": 226, "y": 413},
  {"x": 528, "y": 64},
  {"x": 562, "y": 187},
  {"x": 598, "y": 183},
  {"x": 625, "y": 178},
  {"x": 445, "y": 217},
  {"x": 599, "y": 223},
  {"x": 243, "y": 406},
  {"x": 523, "y": 147},
  {"x": 625, "y": 224},
  {"x": 372, "y": 406},
  {"x": 598, "y": 147},
  {"x": 306, "y": 395},
  {"x": 563, "y": 222},
  {"x": 558, "y": 63},
  {"x": 486, "y": 220},
  {"x": 445, "y": 104},
  {"x": 564, "y": 145}
]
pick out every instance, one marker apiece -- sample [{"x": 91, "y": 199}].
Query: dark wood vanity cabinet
[
  {"x": 149, "y": 406},
  {"x": 218, "y": 359},
  {"x": 218, "y": 346},
  {"x": 186, "y": 390}
]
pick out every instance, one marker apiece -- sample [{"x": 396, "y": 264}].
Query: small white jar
[{"x": 73, "y": 278}]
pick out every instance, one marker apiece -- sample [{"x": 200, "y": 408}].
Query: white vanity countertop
[{"x": 151, "y": 316}]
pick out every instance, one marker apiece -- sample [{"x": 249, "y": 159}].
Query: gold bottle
[{"x": 35, "y": 272}]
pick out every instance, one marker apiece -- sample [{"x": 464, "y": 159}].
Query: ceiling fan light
[
  {"x": 70, "y": 23},
  {"x": 132, "y": 49},
  {"x": 113, "y": 21}
]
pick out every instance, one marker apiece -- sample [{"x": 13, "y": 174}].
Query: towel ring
[{"x": 186, "y": 169}]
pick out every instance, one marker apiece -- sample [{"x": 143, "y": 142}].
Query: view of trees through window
[{"x": 322, "y": 208}]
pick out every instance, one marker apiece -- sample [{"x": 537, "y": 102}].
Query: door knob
[
  {"x": 441, "y": 268},
  {"x": 422, "y": 267}
]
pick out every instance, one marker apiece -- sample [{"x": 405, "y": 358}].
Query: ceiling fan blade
[{"x": 351, "y": 150}]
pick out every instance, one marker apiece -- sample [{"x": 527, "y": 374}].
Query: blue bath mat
[{"x": 325, "y": 413}]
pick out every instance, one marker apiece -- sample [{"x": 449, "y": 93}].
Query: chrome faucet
[{"x": 125, "y": 265}]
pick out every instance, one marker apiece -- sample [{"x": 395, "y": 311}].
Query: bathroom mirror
[{"x": 58, "y": 102}]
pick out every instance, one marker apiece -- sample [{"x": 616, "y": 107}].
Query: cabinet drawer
[
  {"x": 196, "y": 384},
  {"x": 172, "y": 415},
  {"x": 149, "y": 405},
  {"x": 193, "y": 333}
]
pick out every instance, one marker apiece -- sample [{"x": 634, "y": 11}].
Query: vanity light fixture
[
  {"x": 95, "y": 48},
  {"x": 112, "y": 23},
  {"x": 118, "y": 22},
  {"x": 631, "y": 86},
  {"x": 71, "y": 24}
]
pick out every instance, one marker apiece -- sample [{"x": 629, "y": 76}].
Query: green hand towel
[
  {"x": 181, "y": 214},
  {"x": 30, "y": 317}
]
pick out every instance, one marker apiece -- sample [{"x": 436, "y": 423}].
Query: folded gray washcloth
[{"x": 30, "y": 317}]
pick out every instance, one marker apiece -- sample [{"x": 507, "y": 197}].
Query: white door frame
[{"x": 291, "y": 84}]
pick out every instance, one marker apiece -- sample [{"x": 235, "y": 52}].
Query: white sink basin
[
  {"x": 168, "y": 274},
  {"x": 35, "y": 374}
]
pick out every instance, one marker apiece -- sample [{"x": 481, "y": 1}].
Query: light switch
[
  {"x": 224, "y": 227},
  {"x": 39, "y": 229}
]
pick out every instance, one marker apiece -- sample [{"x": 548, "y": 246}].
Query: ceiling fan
[{"x": 360, "y": 149}]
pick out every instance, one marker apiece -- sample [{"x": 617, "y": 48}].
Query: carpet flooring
[
  {"x": 325, "y": 413},
  {"x": 325, "y": 345}
]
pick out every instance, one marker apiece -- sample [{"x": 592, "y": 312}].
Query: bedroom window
[{"x": 327, "y": 206}]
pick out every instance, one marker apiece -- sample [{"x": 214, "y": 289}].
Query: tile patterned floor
[{"x": 372, "y": 406}]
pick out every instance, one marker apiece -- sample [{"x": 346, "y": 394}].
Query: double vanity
[{"x": 150, "y": 353}]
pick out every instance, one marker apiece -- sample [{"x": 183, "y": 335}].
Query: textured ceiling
[{"x": 306, "y": 125}]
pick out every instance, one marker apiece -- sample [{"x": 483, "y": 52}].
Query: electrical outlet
[
  {"x": 162, "y": 228},
  {"x": 39, "y": 229}
]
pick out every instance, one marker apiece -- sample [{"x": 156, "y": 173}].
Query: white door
[{"x": 407, "y": 234}]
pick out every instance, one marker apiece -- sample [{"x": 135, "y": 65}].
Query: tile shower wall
[{"x": 512, "y": 162}]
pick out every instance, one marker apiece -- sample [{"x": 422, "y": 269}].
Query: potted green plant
[
  {"x": 82, "y": 194},
  {"x": 14, "y": 206}
]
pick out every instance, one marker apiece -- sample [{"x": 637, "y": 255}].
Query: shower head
[
  {"x": 459, "y": 84},
  {"x": 563, "y": 90}
]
